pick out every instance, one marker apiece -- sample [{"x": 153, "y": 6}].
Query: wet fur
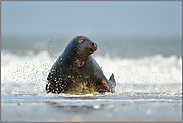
[{"x": 76, "y": 72}]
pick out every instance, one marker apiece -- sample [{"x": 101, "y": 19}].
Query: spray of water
[{"x": 148, "y": 76}]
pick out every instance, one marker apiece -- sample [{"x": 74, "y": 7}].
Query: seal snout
[{"x": 93, "y": 47}]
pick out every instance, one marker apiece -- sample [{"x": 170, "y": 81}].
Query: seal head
[{"x": 81, "y": 47}]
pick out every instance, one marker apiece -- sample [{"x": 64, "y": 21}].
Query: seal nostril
[{"x": 93, "y": 44}]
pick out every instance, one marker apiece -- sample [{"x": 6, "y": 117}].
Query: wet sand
[{"x": 56, "y": 110}]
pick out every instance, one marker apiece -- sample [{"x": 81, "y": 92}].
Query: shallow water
[
  {"x": 90, "y": 108},
  {"x": 149, "y": 84}
]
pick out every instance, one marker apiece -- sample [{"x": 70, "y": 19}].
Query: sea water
[{"x": 146, "y": 70}]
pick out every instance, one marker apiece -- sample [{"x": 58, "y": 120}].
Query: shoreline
[{"x": 74, "y": 109}]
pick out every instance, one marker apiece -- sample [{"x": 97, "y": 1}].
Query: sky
[{"x": 91, "y": 17}]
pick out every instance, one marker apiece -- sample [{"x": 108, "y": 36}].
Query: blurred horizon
[
  {"x": 125, "y": 29},
  {"x": 90, "y": 18}
]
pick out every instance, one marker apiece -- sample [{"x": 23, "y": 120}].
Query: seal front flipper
[
  {"x": 109, "y": 84},
  {"x": 50, "y": 86}
]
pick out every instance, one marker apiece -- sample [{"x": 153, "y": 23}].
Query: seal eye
[{"x": 81, "y": 40}]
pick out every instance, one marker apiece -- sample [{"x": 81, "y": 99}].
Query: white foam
[
  {"x": 156, "y": 69},
  {"x": 27, "y": 75}
]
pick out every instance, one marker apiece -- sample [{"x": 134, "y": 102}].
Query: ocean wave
[{"x": 147, "y": 75}]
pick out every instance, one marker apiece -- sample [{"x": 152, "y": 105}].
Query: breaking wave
[{"x": 147, "y": 76}]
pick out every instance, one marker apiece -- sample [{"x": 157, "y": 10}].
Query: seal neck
[{"x": 74, "y": 57}]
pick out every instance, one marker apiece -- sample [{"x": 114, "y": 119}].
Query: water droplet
[{"x": 69, "y": 76}]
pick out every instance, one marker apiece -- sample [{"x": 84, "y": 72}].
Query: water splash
[{"x": 146, "y": 77}]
